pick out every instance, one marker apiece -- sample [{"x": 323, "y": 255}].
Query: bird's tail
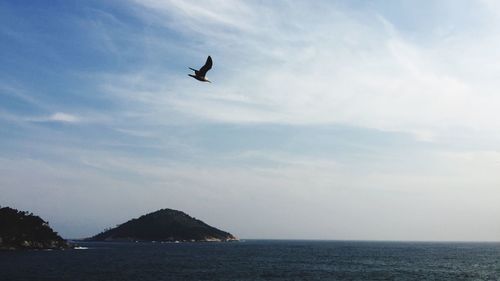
[{"x": 192, "y": 69}]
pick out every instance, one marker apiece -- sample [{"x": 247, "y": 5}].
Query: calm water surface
[{"x": 258, "y": 260}]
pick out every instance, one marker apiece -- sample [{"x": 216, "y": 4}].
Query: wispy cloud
[
  {"x": 16, "y": 91},
  {"x": 296, "y": 187},
  {"x": 38, "y": 105},
  {"x": 135, "y": 133},
  {"x": 349, "y": 67}
]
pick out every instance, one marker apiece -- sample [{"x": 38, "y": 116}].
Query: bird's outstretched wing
[{"x": 208, "y": 65}]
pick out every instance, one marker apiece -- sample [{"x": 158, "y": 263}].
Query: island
[
  {"x": 23, "y": 230},
  {"x": 165, "y": 225}
]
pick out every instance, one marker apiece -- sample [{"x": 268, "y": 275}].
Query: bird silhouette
[{"x": 200, "y": 74}]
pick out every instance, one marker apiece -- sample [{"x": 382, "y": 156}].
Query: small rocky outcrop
[
  {"x": 165, "y": 225},
  {"x": 23, "y": 230}
]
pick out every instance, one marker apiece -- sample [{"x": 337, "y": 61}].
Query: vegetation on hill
[
  {"x": 23, "y": 230},
  {"x": 164, "y": 225}
]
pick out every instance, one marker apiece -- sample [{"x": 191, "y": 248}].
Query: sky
[{"x": 348, "y": 120}]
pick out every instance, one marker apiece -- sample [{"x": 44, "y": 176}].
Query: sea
[{"x": 257, "y": 260}]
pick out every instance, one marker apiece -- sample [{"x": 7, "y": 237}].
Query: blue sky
[{"x": 325, "y": 120}]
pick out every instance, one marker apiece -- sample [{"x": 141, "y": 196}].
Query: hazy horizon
[{"x": 337, "y": 120}]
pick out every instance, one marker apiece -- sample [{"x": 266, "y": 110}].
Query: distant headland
[
  {"x": 23, "y": 230},
  {"x": 165, "y": 225}
]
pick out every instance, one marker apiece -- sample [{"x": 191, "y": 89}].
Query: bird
[{"x": 200, "y": 74}]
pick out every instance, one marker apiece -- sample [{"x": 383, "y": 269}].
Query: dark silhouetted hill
[
  {"x": 22, "y": 230},
  {"x": 164, "y": 225}
]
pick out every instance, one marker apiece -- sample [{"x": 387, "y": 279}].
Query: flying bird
[{"x": 200, "y": 74}]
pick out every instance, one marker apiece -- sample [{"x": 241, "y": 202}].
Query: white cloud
[
  {"x": 55, "y": 117},
  {"x": 63, "y": 117}
]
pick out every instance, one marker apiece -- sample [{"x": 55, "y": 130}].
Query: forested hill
[
  {"x": 164, "y": 225},
  {"x": 23, "y": 230}
]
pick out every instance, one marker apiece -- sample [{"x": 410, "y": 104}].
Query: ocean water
[{"x": 257, "y": 260}]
